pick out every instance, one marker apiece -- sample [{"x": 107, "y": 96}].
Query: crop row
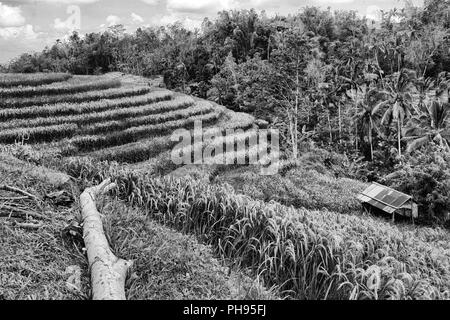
[
  {"x": 8, "y": 80},
  {"x": 38, "y": 134},
  {"x": 219, "y": 141},
  {"x": 67, "y": 88},
  {"x": 306, "y": 254},
  {"x": 85, "y": 115},
  {"x": 134, "y": 152},
  {"x": 139, "y": 118},
  {"x": 145, "y": 149},
  {"x": 95, "y": 142},
  {"x": 95, "y": 95},
  {"x": 32, "y": 134}
]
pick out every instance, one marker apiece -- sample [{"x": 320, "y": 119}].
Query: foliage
[{"x": 426, "y": 176}]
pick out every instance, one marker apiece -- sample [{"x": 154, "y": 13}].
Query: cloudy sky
[{"x": 30, "y": 25}]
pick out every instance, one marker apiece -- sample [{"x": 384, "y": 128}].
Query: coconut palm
[
  {"x": 431, "y": 125},
  {"x": 369, "y": 107},
  {"x": 397, "y": 96}
]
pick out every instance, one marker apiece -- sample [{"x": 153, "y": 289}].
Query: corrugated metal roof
[{"x": 384, "y": 198}]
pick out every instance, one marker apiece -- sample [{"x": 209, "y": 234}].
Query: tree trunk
[
  {"x": 108, "y": 273},
  {"x": 297, "y": 92},
  {"x": 371, "y": 139},
  {"x": 329, "y": 126},
  {"x": 399, "y": 138},
  {"x": 340, "y": 123}
]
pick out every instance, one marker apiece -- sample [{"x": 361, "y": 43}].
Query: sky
[{"x": 30, "y": 25}]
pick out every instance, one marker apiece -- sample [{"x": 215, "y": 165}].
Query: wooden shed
[{"x": 389, "y": 201}]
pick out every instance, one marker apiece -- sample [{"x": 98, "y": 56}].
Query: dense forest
[{"x": 373, "y": 95}]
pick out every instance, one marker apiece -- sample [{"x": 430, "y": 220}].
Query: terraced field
[{"x": 109, "y": 117}]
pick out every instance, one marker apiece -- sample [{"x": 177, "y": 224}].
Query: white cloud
[
  {"x": 25, "y": 32},
  {"x": 373, "y": 12},
  {"x": 333, "y": 1},
  {"x": 59, "y": 25},
  {"x": 198, "y": 6},
  {"x": 72, "y": 23},
  {"x": 112, "y": 20},
  {"x": 151, "y": 2},
  {"x": 188, "y": 23},
  {"x": 61, "y": 1},
  {"x": 11, "y": 16},
  {"x": 137, "y": 18}
]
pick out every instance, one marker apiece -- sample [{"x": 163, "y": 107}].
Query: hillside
[
  {"x": 110, "y": 117},
  {"x": 300, "y": 233}
]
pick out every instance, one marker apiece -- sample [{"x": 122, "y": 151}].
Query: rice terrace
[{"x": 93, "y": 204}]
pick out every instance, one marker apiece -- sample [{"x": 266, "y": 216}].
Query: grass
[
  {"x": 299, "y": 187},
  {"x": 40, "y": 264},
  {"x": 33, "y": 263},
  {"x": 59, "y": 88},
  {"x": 308, "y": 254},
  {"x": 147, "y": 116},
  {"x": 134, "y": 152},
  {"x": 94, "y": 142},
  {"x": 98, "y": 117},
  {"x": 8, "y": 80},
  {"x": 38, "y": 134},
  {"x": 95, "y": 95},
  {"x": 64, "y": 111},
  {"x": 133, "y": 123},
  {"x": 171, "y": 266}
]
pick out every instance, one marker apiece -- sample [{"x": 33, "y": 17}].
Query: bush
[{"x": 425, "y": 176}]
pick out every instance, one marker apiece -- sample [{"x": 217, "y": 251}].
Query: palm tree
[
  {"x": 369, "y": 107},
  {"x": 397, "y": 96},
  {"x": 431, "y": 125}
]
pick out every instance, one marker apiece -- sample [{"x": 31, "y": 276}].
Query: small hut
[{"x": 388, "y": 200}]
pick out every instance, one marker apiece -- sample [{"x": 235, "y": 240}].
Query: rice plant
[
  {"x": 8, "y": 80},
  {"x": 65, "y": 88},
  {"x": 114, "y": 111},
  {"x": 146, "y": 116},
  {"x": 308, "y": 254},
  {"x": 38, "y": 134},
  {"x": 93, "y": 142},
  {"x": 80, "y": 97}
]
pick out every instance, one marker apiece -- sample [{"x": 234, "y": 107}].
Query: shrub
[{"x": 425, "y": 176}]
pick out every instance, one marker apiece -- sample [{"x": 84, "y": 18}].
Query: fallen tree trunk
[{"x": 108, "y": 273}]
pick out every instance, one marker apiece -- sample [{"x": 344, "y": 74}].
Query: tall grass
[{"x": 308, "y": 254}]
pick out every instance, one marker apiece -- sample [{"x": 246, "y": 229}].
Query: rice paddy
[
  {"x": 305, "y": 253},
  {"x": 105, "y": 117}
]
